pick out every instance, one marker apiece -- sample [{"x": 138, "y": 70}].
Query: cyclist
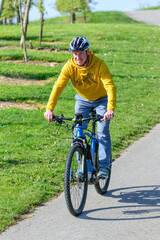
[{"x": 95, "y": 88}]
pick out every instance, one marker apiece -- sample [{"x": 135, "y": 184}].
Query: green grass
[
  {"x": 32, "y": 158},
  {"x": 151, "y": 8},
  {"x": 28, "y": 72}
]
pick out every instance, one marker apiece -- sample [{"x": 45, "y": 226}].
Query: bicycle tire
[
  {"x": 102, "y": 185},
  {"x": 75, "y": 185}
]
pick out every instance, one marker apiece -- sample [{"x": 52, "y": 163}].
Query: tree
[
  {"x": 41, "y": 9},
  {"x": 17, "y": 13},
  {"x": 68, "y": 6},
  {"x": 24, "y": 20},
  {"x": 23, "y": 27},
  {"x": 72, "y": 7},
  {"x": 11, "y": 9},
  {"x": 1, "y": 6},
  {"x": 8, "y": 11},
  {"x": 85, "y": 8}
]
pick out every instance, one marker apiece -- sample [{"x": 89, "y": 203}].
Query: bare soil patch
[
  {"x": 35, "y": 62},
  {"x": 27, "y": 106},
  {"x": 32, "y": 48},
  {"x": 26, "y": 82},
  {"x": 22, "y": 82},
  {"x": 52, "y": 43},
  {"x": 9, "y": 47}
]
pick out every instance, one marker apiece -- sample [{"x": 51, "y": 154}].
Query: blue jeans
[{"x": 85, "y": 107}]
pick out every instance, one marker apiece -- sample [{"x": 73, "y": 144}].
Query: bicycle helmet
[{"x": 79, "y": 43}]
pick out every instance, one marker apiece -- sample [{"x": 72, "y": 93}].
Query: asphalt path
[
  {"x": 130, "y": 210},
  {"x": 147, "y": 16}
]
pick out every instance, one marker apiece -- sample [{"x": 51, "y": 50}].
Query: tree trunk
[
  {"x": 25, "y": 21},
  {"x": 1, "y": 6},
  {"x": 18, "y": 15},
  {"x": 23, "y": 35},
  {"x": 10, "y": 21},
  {"x": 85, "y": 17},
  {"x": 73, "y": 18},
  {"x": 41, "y": 28}
]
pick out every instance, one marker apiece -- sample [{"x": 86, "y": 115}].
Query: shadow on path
[{"x": 141, "y": 202}]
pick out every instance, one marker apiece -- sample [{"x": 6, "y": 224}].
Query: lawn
[{"x": 32, "y": 157}]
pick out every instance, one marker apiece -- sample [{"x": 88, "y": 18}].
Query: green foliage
[
  {"x": 8, "y": 11},
  {"x": 41, "y": 6},
  {"x": 73, "y": 6},
  {"x": 32, "y": 157},
  {"x": 11, "y": 9}
]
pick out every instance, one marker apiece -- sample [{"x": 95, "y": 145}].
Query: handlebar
[
  {"x": 78, "y": 118},
  {"x": 59, "y": 119}
]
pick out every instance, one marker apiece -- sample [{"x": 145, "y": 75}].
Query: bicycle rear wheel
[
  {"x": 102, "y": 185},
  {"x": 75, "y": 181}
]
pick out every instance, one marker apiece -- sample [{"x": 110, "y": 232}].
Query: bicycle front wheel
[{"x": 75, "y": 180}]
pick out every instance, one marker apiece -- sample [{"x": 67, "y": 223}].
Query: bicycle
[{"x": 82, "y": 163}]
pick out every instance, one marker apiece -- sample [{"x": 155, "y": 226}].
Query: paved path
[
  {"x": 147, "y": 16},
  {"x": 130, "y": 210}
]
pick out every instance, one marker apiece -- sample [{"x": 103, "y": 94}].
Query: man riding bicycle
[{"x": 95, "y": 88}]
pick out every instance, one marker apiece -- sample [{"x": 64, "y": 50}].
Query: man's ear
[{"x": 88, "y": 52}]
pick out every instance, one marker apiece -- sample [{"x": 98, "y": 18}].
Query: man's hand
[
  {"x": 108, "y": 115},
  {"x": 49, "y": 115}
]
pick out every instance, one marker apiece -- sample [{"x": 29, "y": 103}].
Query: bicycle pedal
[{"x": 102, "y": 177}]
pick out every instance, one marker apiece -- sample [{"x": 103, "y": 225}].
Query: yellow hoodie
[{"x": 91, "y": 82}]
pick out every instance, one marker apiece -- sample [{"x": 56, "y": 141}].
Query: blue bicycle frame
[{"x": 81, "y": 134}]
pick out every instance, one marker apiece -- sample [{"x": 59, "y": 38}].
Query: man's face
[{"x": 80, "y": 57}]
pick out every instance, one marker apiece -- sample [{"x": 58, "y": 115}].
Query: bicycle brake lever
[
  {"x": 57, "y": 119},
  {"x": 100, "y": 118}
]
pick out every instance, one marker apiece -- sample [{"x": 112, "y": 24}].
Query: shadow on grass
[
  {"x": 29, "y": 37},
  {"x": 10, "y": 163}
]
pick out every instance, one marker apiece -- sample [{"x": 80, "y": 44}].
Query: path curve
[{"x": 147, "y": 16}]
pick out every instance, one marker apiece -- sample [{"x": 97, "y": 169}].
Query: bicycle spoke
[{"x": 76, "y": 180}]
